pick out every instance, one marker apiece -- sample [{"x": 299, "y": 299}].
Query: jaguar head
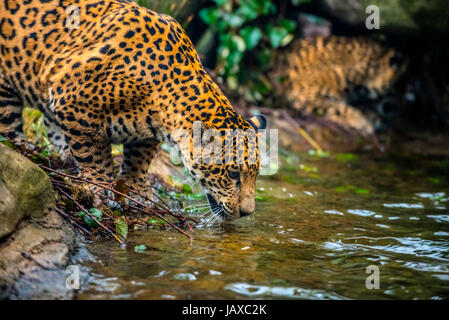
[{"x": 226, "y": 162}]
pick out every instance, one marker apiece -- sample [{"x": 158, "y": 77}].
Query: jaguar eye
[{"x": 234, "y": 175}]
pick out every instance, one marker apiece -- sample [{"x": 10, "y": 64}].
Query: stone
[
  {"x": 36, "y": 244},
  {"x": 401, "y": 17},
  {"x": 25, "y": 190}
]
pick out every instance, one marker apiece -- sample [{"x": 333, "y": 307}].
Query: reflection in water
[
  {"x": 254, "y": 291},
  {"x": 312, "y": 237}
]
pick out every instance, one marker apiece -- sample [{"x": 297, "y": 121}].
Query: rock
[
  {"x": 35, "y": 243},
  {"x": 25, "y": 190},
  {"x": 401, "y": 17}
]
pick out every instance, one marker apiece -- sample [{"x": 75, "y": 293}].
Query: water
[{"x": 319, "y": 223}]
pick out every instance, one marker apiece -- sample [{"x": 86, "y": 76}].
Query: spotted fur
[
  {"x": 321, "y": 76},
  {"x": 127, "y": 75}
]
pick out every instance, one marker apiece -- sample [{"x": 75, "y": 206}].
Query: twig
[
  {"x": 116, "y": 192},
  {"x": 111, "y": 233},
  {"x": 301, "y": 131},
  {"x": 72, "y": 220}
]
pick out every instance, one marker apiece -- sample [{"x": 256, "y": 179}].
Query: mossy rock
[
  {"x": 401, "y": 17},
  {"x": 25, "y": 190}
]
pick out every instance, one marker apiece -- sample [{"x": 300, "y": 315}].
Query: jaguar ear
[{"x": 258, "y": 122}]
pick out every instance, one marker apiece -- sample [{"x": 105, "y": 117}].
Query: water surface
[{"x": 319, "y": 223}]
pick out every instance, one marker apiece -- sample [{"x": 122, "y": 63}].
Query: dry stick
[
  {"x": 373, "y": 139},
  {"x": 83, "y": 209},
  {"x": 303, "y": 133},
  {"x": 167, "y": 210},
  {"x": 91, "y": 216},
  {"x": 72, "y": 220},
  {"x": 150, "y": 211},
  {"x": 167, "y": 206},
  {"x": 66, "y": 185},
  {"x": 119, "y": 193},
  {"x": 108, "y": 198},
  {"x": 179, "y": 217},
  {"x": 103, "y": 185}
]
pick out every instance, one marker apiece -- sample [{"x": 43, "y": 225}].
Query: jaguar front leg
[
  {"x": 57, "y": 139},
  {"x": 137, "y": 157},
  {"x": 91, "y": 150},
  {"x": 11, "y": 121}
]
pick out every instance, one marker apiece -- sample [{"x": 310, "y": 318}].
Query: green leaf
[
  {"x": 221, "y": 3},
  {"x": 96, "y": 213},
  {"x": 345, "y": 157},
  {"x": 287, "y": 39},
  {"x": 233, "y": 20},
  {"x": 6, "y": 142},
  {"x": 140, "y": 248},
  {"x": 298, "y": 2},
  {"x": 260, "y": 198},
  {"x": 157, "y": 221},
  {"x": 434, "y": 180},
  {"x": 345, "y": 188},
  {"x": 252, "y": 36},
  {"x": 288, "y": 25},
  {"x": 121, "y": 227},
  {"x": 276, "y": 35},
  {"x": 88, "y": 220},
  {"x": 186, "y": 189},
  {"x": 319, "y": 154},
  {"x": 209, "y": 15}
]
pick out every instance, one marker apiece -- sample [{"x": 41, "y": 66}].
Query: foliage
[
  {"x": 88, "y": 220},
  {"x": 121, "y": 226},
  {"x": 6, "y": 142},
  {"x": 248, "y": 31},
  {"x": 140, "y": 248},
  {"x": 34, "y": 129},
  {"x": 351, "y": 188}
]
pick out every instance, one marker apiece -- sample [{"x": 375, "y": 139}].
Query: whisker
[
  {"x": 209, "y": 219},
  {"x": 197, "y": 207},
  {"x": 187, "y": 179},
  {"x": 216, "y": 218}
]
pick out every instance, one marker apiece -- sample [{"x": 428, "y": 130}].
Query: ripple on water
[
  {"x": 254, "y": 291},
  {"x": 185, "y": 276},
  {"x": 336, "y": 212},
  {"x": 427, "y": 267},
  {"x": 404, "y": 205},
  {"x": 439, "y": 218},
  {"x": 431, "y": 196},
  {"x": 361, "y": 212},
  {"x": 322, "y": 237},
  {"x": 437, "y": 250}
]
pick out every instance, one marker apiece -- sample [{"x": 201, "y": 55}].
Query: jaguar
[
  {"x": 113, "y": 72},
  {"x": 343, "y": 79}
]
